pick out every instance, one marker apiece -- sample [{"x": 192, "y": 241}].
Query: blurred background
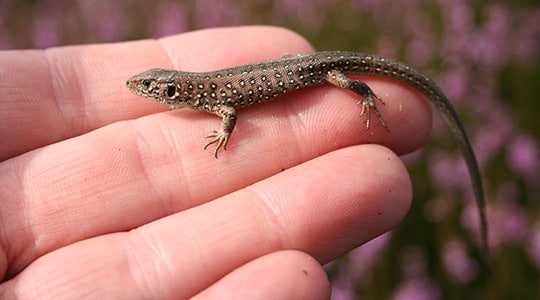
[{"x": 486, "y": 56}]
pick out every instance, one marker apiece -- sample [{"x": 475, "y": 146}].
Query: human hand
[{"x": 106, "y": 194}]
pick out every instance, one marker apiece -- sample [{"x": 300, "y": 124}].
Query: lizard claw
[
  {"x": 368, "y": 103},
  {"x": 219, "y": 137}
]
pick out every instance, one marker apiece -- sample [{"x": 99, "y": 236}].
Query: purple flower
[
  {"x": 524, "y": 157},
  {"x": 417, "y": 285},
  {"x": 342, "y": 289},
  {"x": 172, "y": 20},
  {"x": 365, "y": 257},
  {"x": 527, "y": 41},
  {"x": 455, "y": 83},
  {"x": 534, "y": 246},
  {"x": 489, "y": 44},
  {"x": 492, "y": 137},
  {"x": 460, "y": 266},
  {"x": 46, "y": 29},
  {"x": 418, "y": 289},
  {"x": 508, "y": 222},
  {"x": 448, "y": 171},
  {"x": 111, "y": 23},
  {"x": 217, "y": 13},
  {"x": 311, "y": 12}
]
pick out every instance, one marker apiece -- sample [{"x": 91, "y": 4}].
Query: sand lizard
[{"x": 224, "y": 91}]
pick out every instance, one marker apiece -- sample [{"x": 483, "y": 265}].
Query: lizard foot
[
  {"x": 219, "y": 137},
  {"x": 368, "y": 103}
]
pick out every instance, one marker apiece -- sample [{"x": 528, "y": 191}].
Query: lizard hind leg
[
  {"x": 368, "y": 97},
  {"x": 368, "y": 101}
]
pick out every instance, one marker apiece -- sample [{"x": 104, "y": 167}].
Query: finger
[
  {"x": 127, "y": 174},
  {"x": 279, "y": 275},
  {"x": 51, "y": 95},
  {"x": 324, "y": 207}
]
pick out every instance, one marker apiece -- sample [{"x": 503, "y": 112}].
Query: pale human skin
[{"x": 106, "y": 194}]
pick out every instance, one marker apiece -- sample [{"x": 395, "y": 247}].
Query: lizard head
[{"x": 158, "y": 85}]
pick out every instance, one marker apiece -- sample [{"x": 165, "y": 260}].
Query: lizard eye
[
  {"x": 146, "y": 83},
  {"x": 171, "y": 91}
]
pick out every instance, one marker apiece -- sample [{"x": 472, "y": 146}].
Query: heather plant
[{"x": 486, "y": 57}]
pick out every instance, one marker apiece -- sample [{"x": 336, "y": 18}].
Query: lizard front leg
[{"x": 221, "y": 136}]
